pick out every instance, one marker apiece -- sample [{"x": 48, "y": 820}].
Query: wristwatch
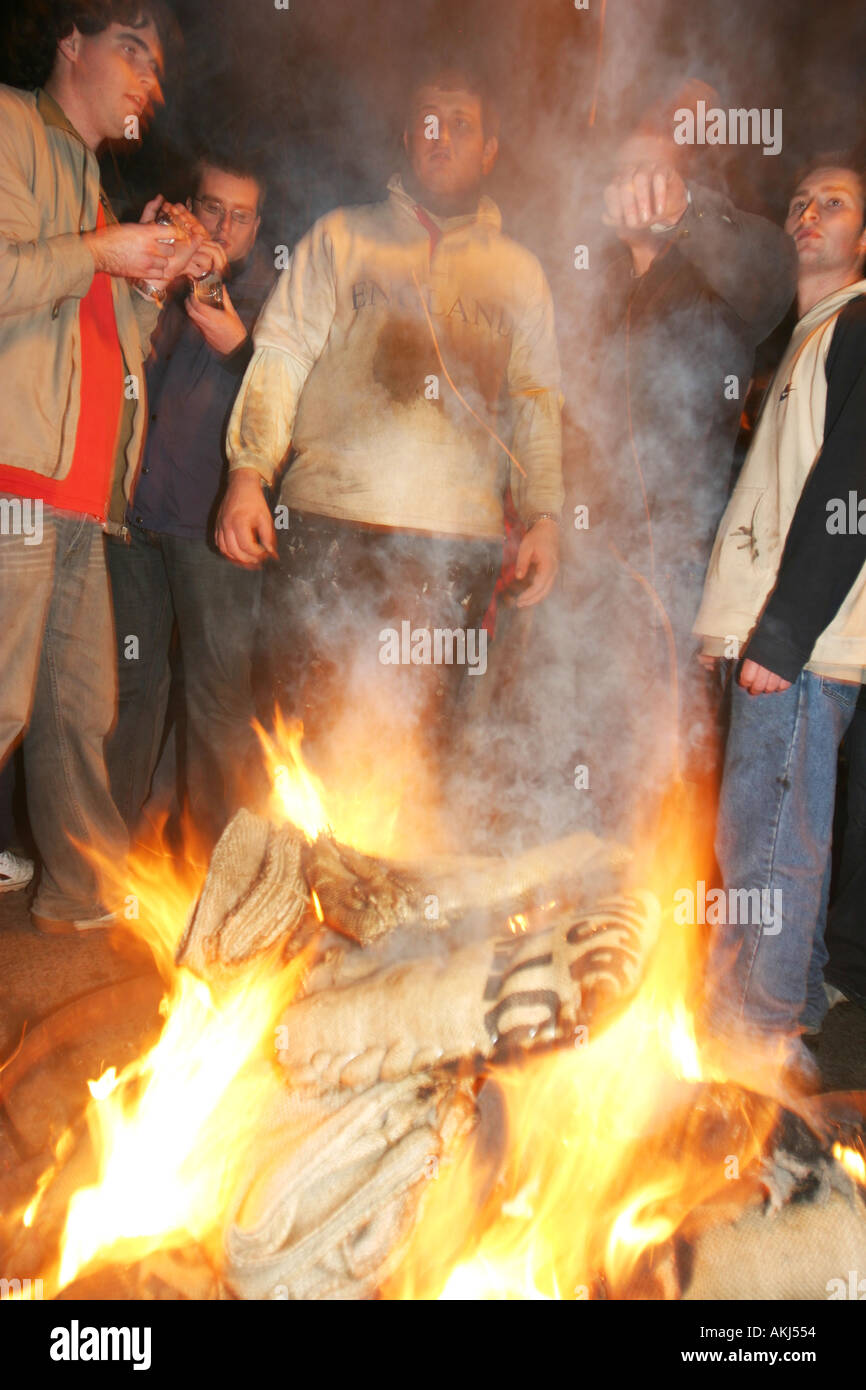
[{"x": 542, "y": 516}]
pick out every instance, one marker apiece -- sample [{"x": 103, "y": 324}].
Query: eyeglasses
[{"x": 210, "y": 208}]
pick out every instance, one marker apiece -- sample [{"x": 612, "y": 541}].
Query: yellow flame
[
  {"x": 602, "y": 1158},
  {"x": 591, "y": 1174},
  {"x": 300, "y": 794},
  {"x": 170, "y": 1156},
  {"x": 376, "y": 795},
  {"x": 105, "y": 1084},
  {"x": 852, "y": 1161}
]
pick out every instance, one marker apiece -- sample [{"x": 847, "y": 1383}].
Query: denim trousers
[
  {"x": 774, "y": 835},
  {"x": 157, "y": 580},
  {"x": 57, "y": 691}
]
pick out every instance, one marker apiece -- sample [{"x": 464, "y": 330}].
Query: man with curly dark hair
[{"x": 73, "y": 336}]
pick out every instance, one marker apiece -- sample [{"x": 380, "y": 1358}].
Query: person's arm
[
  {"x": 533, "y": 385},
  {"x": 747, "y": 261},
  {"x": 288, "y": 340},
  {"x": 36, "y": 270},
  {"x": 33, "y": 270},
  {"x": 819, "y": 563}
]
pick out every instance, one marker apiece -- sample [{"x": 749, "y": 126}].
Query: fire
[
  {"x": 852, "y": 1161},
  {"x": 298, "y": 792},
  {"x": 173, "y": 1129},
  {"x": 377, "y": 794},
  {"x": 603, "y": 1155},
  {"x": 589, "y": 1158}
]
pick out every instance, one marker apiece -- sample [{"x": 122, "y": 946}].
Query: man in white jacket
[
  {"x": 408, "y": 361},
  {"x": 786, "y": 592}
]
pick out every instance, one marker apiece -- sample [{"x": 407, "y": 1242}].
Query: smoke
[{"x": 314, "y": 91}]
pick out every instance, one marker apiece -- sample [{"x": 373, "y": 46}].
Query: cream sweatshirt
[{"x": 403, "y": 368}]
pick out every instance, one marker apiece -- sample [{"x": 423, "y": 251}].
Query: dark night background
[{"x": 315, "y": 91}]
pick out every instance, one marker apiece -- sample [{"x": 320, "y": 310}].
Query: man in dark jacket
[
  {"x": 170, "y": 570},
  {"x": 698, "y": 285}
]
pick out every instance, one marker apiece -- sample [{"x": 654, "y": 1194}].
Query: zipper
[{"x": 55, "y": 308}]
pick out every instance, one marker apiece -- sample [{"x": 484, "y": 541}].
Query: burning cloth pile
[{"x": 416, "y": 975}]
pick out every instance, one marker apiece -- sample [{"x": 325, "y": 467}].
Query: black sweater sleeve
[
  {"x": 747, "y": 261},
  {"x": 820, "y": 563}
]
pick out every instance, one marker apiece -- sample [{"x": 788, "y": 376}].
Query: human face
[
  {"x": 234, "y": 195},
  {"x": 111, "y": 76},
  {"x": 446, "y": 147},
  {"x": 825, "y": 218}
]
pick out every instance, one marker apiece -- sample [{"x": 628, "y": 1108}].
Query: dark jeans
[
  {"x": 157, "y": 580},
  {"x": 336, "y": 597},
  {"x": 846, "y": 926}
]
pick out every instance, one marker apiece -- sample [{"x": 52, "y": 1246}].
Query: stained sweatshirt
[
  {"x": 787, "y": 577},
  {"x": 409, "y": 365}
]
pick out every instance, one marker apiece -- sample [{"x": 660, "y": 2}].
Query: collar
[
  {"x": 486, "y": 215},
  {"x": 54, "y": 115},
  {"x": 827, "y": 306}
]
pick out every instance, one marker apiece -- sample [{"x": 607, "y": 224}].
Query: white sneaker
[{"x": 15, "y": 872}]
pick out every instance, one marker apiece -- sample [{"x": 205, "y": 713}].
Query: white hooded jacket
[{"x": 751, "y": 538}]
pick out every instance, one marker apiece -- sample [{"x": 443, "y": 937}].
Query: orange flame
[
  {"x": 852, "y": 1161},
  {"x": 592, "y": 1158},
  {"x": 603, "y": 1156}
]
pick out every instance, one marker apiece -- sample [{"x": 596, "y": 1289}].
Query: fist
[
  {"x": 646, "y": 195},
  {"x": 245, "y": 528},
  {"x": 221, "y": 329}
]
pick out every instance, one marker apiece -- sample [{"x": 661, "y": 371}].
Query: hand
[
  {"x": 208, "y": 257},
  {"x": 130, "y": 250},
  {"x": 245, "y": 528},
  {"x": 184, "y": 247},
  {"x": 151, "y": 209},
  {"x": 539, "y": 547},
  {"x": 647, "y": 194},
  {"x": 221, "y": 329},
  {"x": 759, "y": 681},
  {"x": 708, "y": 661}
]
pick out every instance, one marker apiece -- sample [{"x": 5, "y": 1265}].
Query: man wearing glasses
[{"x": 170, "y": 572}]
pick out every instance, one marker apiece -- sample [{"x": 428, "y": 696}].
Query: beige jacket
[
  {"x": 49, "y": 190},
  {"x": 751, "y": 537},
  {"x": 353, "y": 354}
]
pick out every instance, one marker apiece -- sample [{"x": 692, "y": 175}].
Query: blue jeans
[{"x": 774, "y": 834}]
